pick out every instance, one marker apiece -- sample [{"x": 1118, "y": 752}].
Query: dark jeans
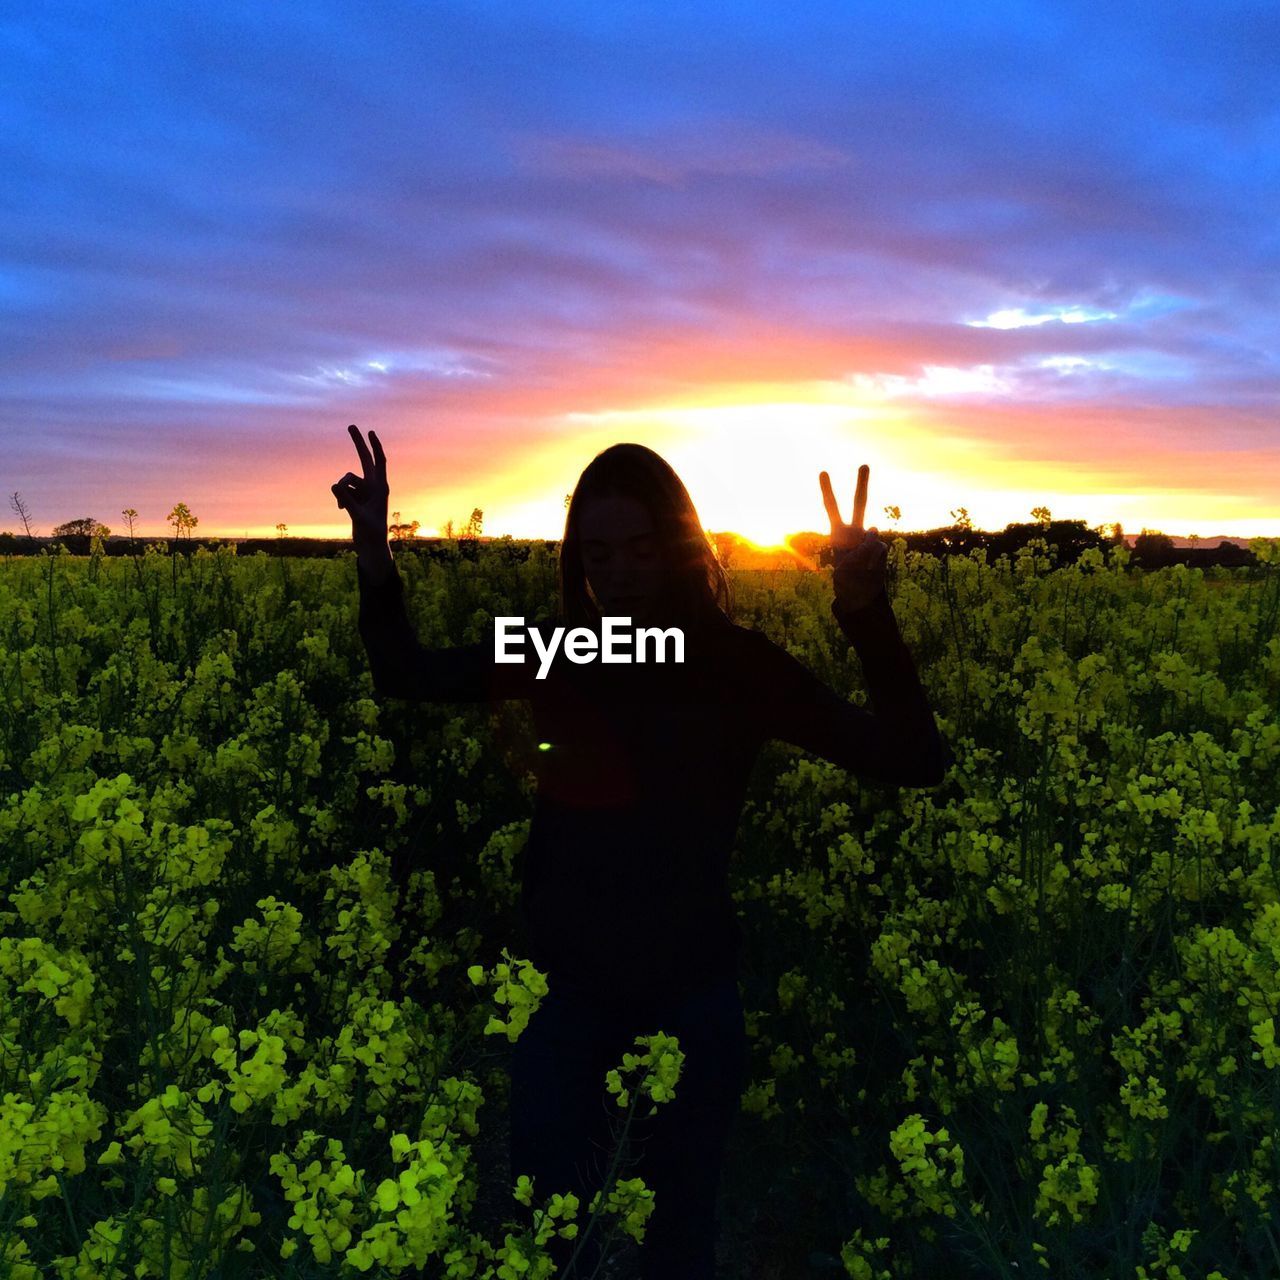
[{"x": 561, "y": 1130}]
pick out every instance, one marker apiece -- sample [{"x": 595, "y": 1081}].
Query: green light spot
[{"x": 544, "y": 746}]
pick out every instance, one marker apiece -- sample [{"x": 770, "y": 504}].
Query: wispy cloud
[{"x": 1017, "y": 318}]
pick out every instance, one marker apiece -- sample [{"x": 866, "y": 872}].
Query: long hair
[{"x": 697, "y": 587}]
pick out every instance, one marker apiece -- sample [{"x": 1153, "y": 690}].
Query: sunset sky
[{"x": 1010, "y": 255}]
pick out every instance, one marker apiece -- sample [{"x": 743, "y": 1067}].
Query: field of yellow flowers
[{"x": 260, "y": 965}]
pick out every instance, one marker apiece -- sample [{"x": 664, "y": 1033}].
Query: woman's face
[{"x": 622, "y": 557}]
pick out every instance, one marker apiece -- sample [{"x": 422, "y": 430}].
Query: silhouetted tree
[
  {"x": 813, "y": 546},
  {"x": 1152, "y": 548},
  {"x": 401, "y": 532},
  {"x": 84, "y": 527},
  {"x": 78, "y": 534},
  {"x": 725, "y": 545}
]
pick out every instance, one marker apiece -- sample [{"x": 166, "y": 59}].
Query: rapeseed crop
[{"x": 259, "y": 950}]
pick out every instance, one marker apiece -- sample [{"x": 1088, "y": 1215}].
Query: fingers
[
  {"x": 860, "y": 497},
  {"x": 829, "y": 500},
  {"x": 867, "y": 561},
  {"x": 348, "y": 487},
  {"x": 366, "y": 459},
  {"x": 870, "y": 550},
  {"x": 378, "y": 456}
]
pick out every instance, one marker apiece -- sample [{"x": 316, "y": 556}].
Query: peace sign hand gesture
[
  {"x": 365, "y": 498},
  {"x": 859, "y": 555}
]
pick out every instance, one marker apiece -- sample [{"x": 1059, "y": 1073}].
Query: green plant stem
[{"x": 608, "y": 1184}]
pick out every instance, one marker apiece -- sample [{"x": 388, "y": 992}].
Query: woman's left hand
[{"x": 860, "y": 556}]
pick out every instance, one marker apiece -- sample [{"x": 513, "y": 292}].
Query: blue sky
[{"x": 1009, "y": 254}]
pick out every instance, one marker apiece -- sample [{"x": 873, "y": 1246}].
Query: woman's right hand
[{"x": 365, "y": 498}]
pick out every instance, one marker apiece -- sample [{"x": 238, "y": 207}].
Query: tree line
[
  {"x": 1151, "y": 548},
  {"x": 80, "y": 534}
]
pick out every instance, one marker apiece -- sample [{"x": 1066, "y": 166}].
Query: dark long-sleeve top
[{"x": 643, "y": 774}]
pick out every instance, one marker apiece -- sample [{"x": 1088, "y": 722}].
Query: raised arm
[
  {"x": 897, "y": 741},
  {"x": 402, "y": 667}
]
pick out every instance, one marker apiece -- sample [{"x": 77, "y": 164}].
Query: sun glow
[
  {"x": 750, "y": 454},
  {"x": 753, "y": 467}
]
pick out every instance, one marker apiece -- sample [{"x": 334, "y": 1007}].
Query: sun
[{"x": 753, "y": 468}]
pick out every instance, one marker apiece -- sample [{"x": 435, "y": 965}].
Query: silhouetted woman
[{"x": 640, "y": 785}]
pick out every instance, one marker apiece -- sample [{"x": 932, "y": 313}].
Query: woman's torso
[{"x": 642, "y": 770}]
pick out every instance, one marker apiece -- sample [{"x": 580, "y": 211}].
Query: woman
[{"x": 641, "y": 777}]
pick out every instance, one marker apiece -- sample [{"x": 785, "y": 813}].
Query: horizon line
[{"x": 884, "y": 534}]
